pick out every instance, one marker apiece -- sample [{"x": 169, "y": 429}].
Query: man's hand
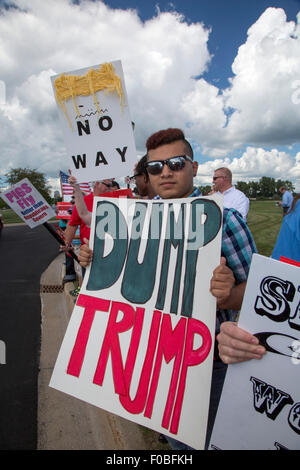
[
  {"x": 222, "y": 282},
  {"x": 237, "y": 345},
  {"x": 72, "y": 180},
  {"x": 86, "y": 254}
]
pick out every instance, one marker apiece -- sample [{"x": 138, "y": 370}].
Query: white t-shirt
[{"x": 236, "y": 199}]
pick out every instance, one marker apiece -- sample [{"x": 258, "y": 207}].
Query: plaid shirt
[{"x": 237, "y": 247}]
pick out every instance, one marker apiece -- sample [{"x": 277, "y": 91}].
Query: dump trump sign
[{"x": 140, "y": 340}]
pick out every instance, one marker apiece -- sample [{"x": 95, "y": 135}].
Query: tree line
[{"x": 266, "y": 187}]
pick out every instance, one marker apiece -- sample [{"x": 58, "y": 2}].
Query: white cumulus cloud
[
  {"x": 265, "y": 70},
  {"x": 254, "y": 163}
]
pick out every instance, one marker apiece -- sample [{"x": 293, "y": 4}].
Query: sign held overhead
[{"x": 96, "y": 123}]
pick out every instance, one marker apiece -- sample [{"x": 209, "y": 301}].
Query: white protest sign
[
  {"x": 260, "y": 403},
  {"x": 95, "y": 120},
  {"x": 28, "y": 203},
  {"x": 140, "y": 340}
]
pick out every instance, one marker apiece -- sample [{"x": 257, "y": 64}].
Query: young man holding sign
[
  {"x": 171, "y": 169},
  {"x": 229, "y": 280}
]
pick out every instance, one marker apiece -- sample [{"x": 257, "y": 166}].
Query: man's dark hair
[
  {"x": 141, "y": 167},
  {"x": 168, "y": 136}
]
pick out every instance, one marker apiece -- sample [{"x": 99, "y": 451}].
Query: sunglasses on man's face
[
  {"x": 215, "y": 178},
  {"x": 108, "y": 185},
  {"x": 174, "y": 164}
]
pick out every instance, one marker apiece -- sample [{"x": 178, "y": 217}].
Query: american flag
[{"x": 67, "y": 189}]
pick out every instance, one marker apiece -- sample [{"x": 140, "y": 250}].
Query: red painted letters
[{"x": 164, "y": 342}]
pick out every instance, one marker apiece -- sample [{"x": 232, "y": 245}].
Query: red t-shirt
[{"x": 76, "y": 220}]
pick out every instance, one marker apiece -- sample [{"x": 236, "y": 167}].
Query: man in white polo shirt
[{"x": 233, "y": 198}]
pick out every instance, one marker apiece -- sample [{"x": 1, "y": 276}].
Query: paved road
[{"x": 24, "y": 254}]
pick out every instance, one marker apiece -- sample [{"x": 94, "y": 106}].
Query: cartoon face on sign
[
  {"x": 87, "y": 110},
  {"x": 72, "y": 86}
]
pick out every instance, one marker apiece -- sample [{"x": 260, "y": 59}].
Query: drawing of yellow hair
[{"x": 102, "y": 79}]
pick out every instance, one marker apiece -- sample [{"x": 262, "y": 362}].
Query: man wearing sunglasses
[
  {"x": 170, "y": 165},
  {"x": 233, "y": 198},
  {"x": 171, "y": 169}
]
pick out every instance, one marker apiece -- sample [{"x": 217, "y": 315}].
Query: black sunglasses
[
  {"x": 217, "y": 177},
  {"x": 108, "y": 185},
  {"x": 174, "y": 164}
]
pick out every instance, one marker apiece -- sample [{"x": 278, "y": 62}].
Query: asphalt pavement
[{"x": 24, "y": 254}]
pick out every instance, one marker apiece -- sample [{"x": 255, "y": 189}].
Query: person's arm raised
[{"x": 83, "y": 213}]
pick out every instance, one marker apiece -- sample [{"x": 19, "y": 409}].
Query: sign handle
[{"x": 59, "y": 239}]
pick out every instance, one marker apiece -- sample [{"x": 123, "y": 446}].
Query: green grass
[
  {"x": 10, "y": 217},
  {"x": 264, "y": 221}
]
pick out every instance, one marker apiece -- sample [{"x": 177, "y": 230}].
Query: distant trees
[
  {"x": 204, "y": 189},
  {"x": 266, "y": 187}
]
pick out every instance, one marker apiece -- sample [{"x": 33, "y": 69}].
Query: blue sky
[
  {"x": 226, "y": 72},
  {"x": 228, "y": 19},
  {"x": 229, "y": 22}
]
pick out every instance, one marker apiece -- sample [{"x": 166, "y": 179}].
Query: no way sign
[{"x": 95, "y": 120}]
